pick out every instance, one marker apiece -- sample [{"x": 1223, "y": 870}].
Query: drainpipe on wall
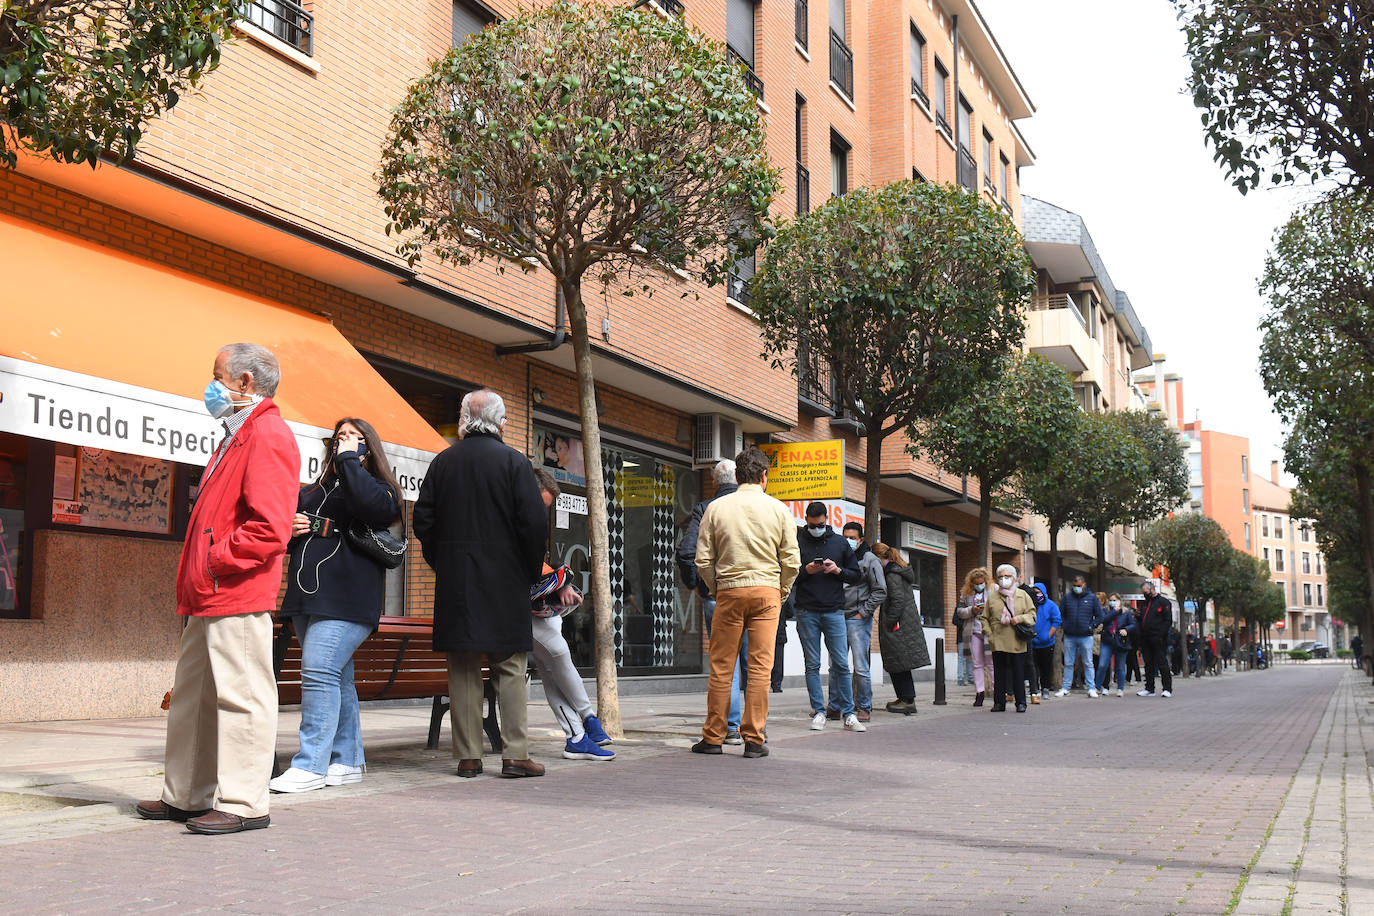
[
  {"x": 955, "y": 21},
  {"x": 560, "y": 334}
]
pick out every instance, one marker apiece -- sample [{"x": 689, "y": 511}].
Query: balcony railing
[
  {"x": 803, "y": 190},
  {"x": 816, "y": 389},
  {"x": 1006, "y": 205},
  {"x": 741, "y": 272},
  {"x": 841, "y": 65},
  {"x": 942, "y": 124},
  {"x": 801, "y": 24},
  {"x": 989, "y": 186},
  {"x": 968, "y": 171},
  {"x": 918, "y": 93},
  {"x": 284, "y": 19},
  {"x": 673, "y": 8},
  {"x": 751, "y": 79},
  {"x": 1058, "y": 301}
]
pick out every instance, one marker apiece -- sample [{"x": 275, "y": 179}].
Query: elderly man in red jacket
[{"x": 222, "y": 727}]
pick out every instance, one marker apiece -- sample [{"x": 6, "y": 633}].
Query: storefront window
[
  {"x": 14, "y": 460},
  {"x": 930, "y": 579},
  {"x": 657, "y": 621}
]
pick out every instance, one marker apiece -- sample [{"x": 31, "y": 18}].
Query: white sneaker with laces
[
  {"x": 297, "y": 780},
  {"x": 1144, "y": 693},
  {"x": 1062, "y": 693},
  {"x": 342, "y": 775},
  {"x": 1092, "y": 693},
  {"x": 852, "y": 724},
  {"x": 818, "y": 722},
  {"x": 1167, "y": 693},
  {"x": 1120, "y": 692}
]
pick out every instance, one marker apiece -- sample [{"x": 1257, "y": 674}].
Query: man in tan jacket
[{"x": 747, "y": 556}]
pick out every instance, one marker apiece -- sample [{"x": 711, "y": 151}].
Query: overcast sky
[{"x": 1119, "y": 143}]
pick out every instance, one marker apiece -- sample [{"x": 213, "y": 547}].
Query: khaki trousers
[
  {"x": 465, "y": 703},
  {"x": 222, "y": 725},
  {"x": 754, "y": 611}
]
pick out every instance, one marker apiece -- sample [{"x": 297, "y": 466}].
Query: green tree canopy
[
  {"x": 912, "y": 293},
  {"x": 1008, "y": 424},
  {"x": 1197, "y": 553},
  {"x": 581, "y": 138},
  {"x": 1284, "y": 88},
  {"x": 1112, "y": 479},
  {"x": 79, "y": 80}
]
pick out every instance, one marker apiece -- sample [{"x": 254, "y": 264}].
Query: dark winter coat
[
  {"x": 687, "y": 547},
  {"x": 901, "y": 637},
  {"x": 1157, "y": 618},
  {"x": 1116, "y": 630},
  {"x": 1081, "y": 613},
  {"x": 823, "y": 591},
  {"x": 483, "y": 528},
  {"x": 326, "y": 576}
]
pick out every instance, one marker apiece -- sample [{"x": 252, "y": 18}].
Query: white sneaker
[
  {"x": 1167, "y": 693},
  {"x": 1120, "y": 692},
  {"x": 1144, "y": 693},
  {"x": 341, "y": 775},
  {"x": 296, "y": 780},
  {"x": 1092, "y": 693},
  {"x": 818, "y": 721},
  {"x": 852, "y": 724},
  {"x": 1062, "y": 693}
]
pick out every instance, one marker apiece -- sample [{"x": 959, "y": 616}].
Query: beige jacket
[
  {"x": 747, "y": 539},
  {"x": 1002, "y": 636}
]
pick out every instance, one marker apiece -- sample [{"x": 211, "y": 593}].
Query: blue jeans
[
  {"x": 330, "y": 730},
  {"x": 1074, "y": 646},
  {"x": 859, "y": 632},
  {"x": 1106, "y": 659},
  {"x": 709, "y": 613},
  {"x": 965, "y": 669},
  {"x": 810, "y": 627}
]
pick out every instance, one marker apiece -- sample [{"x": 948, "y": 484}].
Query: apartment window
[
  {"x": 468, "y": 20},
  {"x": 1278, "y": 525},
  {"x": 1319, "y": 564},
  {"x": 917, "y": 176},
  {"x": 1266, "y": 554},
  {"x": 987, "y": 164},
  {"x": 803, "y": 16},
  {"x": 1245, "y": 467},
  {"x": 1264, "y": 525},
  {"x": 803, "y": 174},
  {"x": 1321, "y": 600},
  {"x": 1306, "y": 534},
  {"x": 841, "y": 57},
  {"x": 1245, "y": 505},
  {"x": 942, "y": 97},
  {"x": 1247, "y": 535},
  {"x": 1197, "y": 495},
  {"x": 1006, "y": 178},
  {"x": 1306, "y": 563},
  {"x": 918, "y": 60},
  {"x": 739, "y": 40},
  {"x": 1195, "y": 466},
  {"x": 1278, "y": 559},
  {"x": 839, "y": 165},
  {"x": 284, "y": 19},
  {"x": 1307, "y": 596},
  {"x": 965, "y": 124}
]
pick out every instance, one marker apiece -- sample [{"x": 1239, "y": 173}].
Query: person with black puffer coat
[
  {"x": 901, "y": 634},
  {"x": 334, "y": 597},
  {"x": 1156, "y": 620}
]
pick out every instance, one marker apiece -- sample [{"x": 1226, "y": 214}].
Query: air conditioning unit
[{"x": 717, "y": 437}]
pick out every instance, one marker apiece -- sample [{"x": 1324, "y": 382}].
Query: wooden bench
[{"x": 394, "y": 663}]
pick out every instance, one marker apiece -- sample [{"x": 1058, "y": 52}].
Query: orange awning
[{"x": 96, "y": 315}]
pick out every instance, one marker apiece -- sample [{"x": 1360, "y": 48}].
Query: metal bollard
[{"x": 939, "y": 672}]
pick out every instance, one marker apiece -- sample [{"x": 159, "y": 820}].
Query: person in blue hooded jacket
[{"x": 1047, "y": 624}]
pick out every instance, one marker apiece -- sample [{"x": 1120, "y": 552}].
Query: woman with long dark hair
[{"x": 334, "y": 597}]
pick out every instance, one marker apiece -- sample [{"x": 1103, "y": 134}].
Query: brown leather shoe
[
  {"x": 832, "y": 714},
  {"x": 515, "y": 768},
  {"x": 217, "y": 822},
  {"x": 864, "y": 715},
  {"x": 469, "y": 768},
  {"x": 159, "y": 810}
]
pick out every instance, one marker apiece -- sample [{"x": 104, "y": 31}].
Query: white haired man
[
  {"x": 483, "y": 528},
  {"x": 222, "y": 724}
]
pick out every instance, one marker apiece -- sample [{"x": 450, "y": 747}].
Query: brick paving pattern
[{"x": 1115, "y": 805}]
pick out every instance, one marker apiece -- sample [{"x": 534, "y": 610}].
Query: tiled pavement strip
[{"x": 1130, "y": 805}]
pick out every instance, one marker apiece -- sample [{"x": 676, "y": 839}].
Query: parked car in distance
[
  {"x": 1321, "y": 650},
  {"x": 1305, "y": 646}
]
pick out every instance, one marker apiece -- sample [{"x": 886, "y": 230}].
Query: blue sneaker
[
  {"x": 595, "y": 732},
  {"x": 586, "y": 749}
]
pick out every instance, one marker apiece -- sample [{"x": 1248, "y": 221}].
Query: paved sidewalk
[{"x": 1115, "y": 805}]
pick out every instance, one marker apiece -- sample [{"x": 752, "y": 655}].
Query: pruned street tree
[
  {"x": 1008, "y": 424},
  {"x": 79, "y": 79},
  {"x": 1111, "y": 482},
  {"x": 912, "y": 294},
  {"x": 1284, "y": 88},
  {"x": 588, "y": 140},
  {"x": 1197, "y": 554}
]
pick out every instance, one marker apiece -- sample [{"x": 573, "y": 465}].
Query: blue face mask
[
  {"x": 219, "y": 400},
  {"x": 979, "y": 587},
  {"x": 816, "y": 530},
  {"x": 853, "y": 544},
  {"x": 1078, "y": 589}
]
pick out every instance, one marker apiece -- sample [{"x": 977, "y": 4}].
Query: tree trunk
[
  {"x": 1364, "y": 492},
  {"x": 603, "y": 614},
  {"x": 1101, "y": 536},
  {"x": 985, "y": 526},
  {"x": 1054, "y": 558},
  {"x": 873, "y": 479}
]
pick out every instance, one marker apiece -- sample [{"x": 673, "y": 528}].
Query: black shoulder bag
[{"x": 378, "y": 544}]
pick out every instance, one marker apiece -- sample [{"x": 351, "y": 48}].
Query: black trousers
[
  {"x": 778, "y": 643},
  {"x": 1032, "y": 671},
  {"x": 1152, "y": 647},
  {"x": 1044, "y": 664},
  {"x": 1133, "y": 665},
  {"x": 903, "y": 684},
  {"x": 1008, "y": 677}
]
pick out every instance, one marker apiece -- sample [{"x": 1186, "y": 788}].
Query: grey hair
[
  {"x": 257, "y": 361},
  {"x": 724, "y": 471},
  {"x": 483, "y": 411},
  {"x": 1009, "y": 568}
]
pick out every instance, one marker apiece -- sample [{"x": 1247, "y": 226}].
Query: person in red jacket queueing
[{"x": 222, "y": 725}]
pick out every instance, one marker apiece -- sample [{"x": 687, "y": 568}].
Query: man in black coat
[
  {"x": 483, "y": 529},
  {"x": 1156, "y": 619}
]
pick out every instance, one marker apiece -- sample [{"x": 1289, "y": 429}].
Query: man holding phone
[{"x": 828, "y": 565}]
